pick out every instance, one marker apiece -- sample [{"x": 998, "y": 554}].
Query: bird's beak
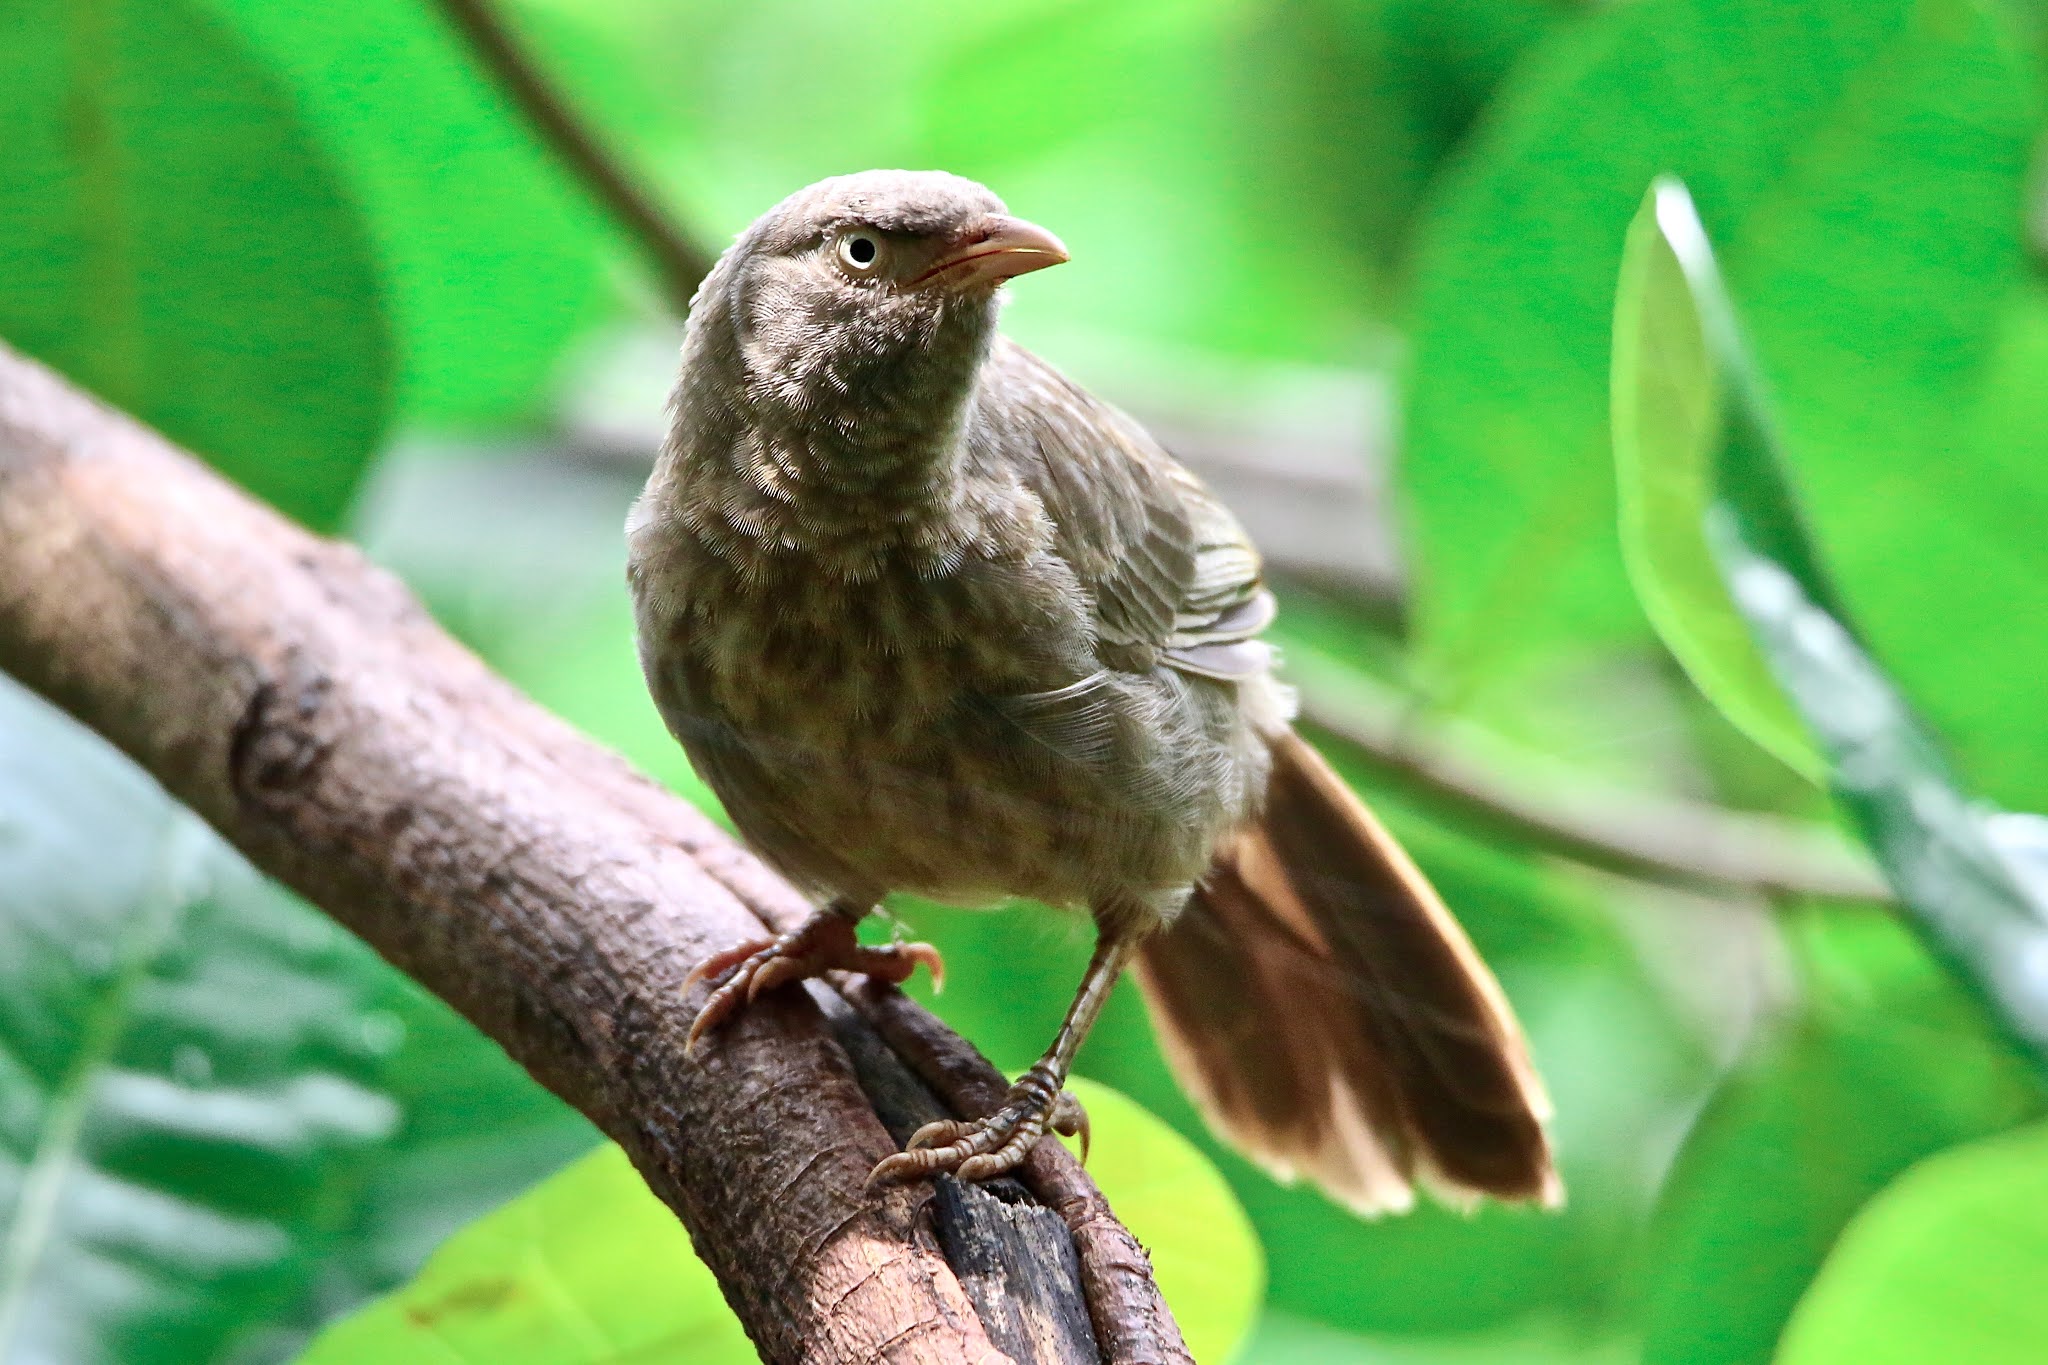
[{"x": 998, "y": 249}]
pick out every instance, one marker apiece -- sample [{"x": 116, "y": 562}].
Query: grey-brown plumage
[{"x": 929, "y": 618}]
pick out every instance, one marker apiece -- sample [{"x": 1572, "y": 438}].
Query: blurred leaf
[
  {"x": 1283, "y": 1339},
  {"x": 1865, "y": 163},
  {"x": 589, "y": 1266},
  {"x": 475, "y": 1130},
  {"x": 1346, "y": 109},
  {"x": 1953, "y": 547},
  {"x": 1670, "y": 421},
  {"x": 1783, "y": 1159},
  {"x": 1946, "y": 1264},
  {"x": 1890, "y": 1064},
  {"x": 1931, "y": 840},
  {"x": 173, "y": 239},
  {"x": 1098, "y": 120},
  {"x": 1231, "y": 174},
  {"x": 221, "y": 1118},
  {"x": 493, "y": 259}
]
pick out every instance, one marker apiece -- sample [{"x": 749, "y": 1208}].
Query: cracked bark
[{"x": 300, "y": 701}]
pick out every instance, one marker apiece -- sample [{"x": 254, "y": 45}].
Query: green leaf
[
  {"x": 493, "y": 259},
  {"x": 588, "y": 1266},
  {"x": 1844, "y": 1104},
  {"x": 1889, "y": 1061},
  {"x": 475, "y": 1130},
  {"x": 1888, "y": 771},
  {"x": 173, "y": 239},
  {"x": 1866, "y": 163},
  {"x": 1939, "y": 1266},
  {"x": 1932, "y": 841},
  {"x": 222, "y": 1120},
  {"x": 1670, "y": 421}
]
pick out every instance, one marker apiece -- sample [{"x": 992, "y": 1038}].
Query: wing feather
[{"x": 1172, "y": 576}]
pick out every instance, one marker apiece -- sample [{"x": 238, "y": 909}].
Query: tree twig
[
  {"x": 678, "y": 262},
  {"x": 300, "y": 701},
  {"x": 1657, "y": 838}
]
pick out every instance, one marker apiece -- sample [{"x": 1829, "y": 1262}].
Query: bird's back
[{"x": 1166, "y": 567}]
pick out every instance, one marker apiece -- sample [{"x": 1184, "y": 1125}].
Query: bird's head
[{"x": 867, "y": 290}]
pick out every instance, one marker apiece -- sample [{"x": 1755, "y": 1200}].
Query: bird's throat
[{"x": 866, "y": 449}]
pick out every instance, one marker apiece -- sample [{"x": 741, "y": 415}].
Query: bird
[{"x": 929, "y": 618}]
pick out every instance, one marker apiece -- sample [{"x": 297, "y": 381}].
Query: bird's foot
[
  {"x": 984, "y": 1148},
  {"x": 825, "y": 942}
]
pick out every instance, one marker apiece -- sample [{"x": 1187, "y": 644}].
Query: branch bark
[{"x": 299, "y": 700}]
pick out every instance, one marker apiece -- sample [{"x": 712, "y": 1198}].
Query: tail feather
[{"x": 1333, "y": 1020}]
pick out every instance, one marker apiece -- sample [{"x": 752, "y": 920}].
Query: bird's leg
[
  {"x": 983, "y": 1148},
  {"x": 824, "y": 942}
]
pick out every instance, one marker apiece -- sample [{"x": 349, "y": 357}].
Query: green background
[{"x": 313, "y": 243}]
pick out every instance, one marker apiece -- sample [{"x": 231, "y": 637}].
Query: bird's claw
[
  {"x": 823, "y": 943},
  {"x": 981, "y": 1149}
]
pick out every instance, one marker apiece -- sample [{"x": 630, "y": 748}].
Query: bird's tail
[{"x": 1331, "y": 1018}]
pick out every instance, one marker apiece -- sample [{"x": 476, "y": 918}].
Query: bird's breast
[
  {"x": 945, "y": 730},
  {"x": 797, "y": 650}
]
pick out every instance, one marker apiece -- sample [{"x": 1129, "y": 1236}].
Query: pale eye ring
[{"x": 860, "y": 251}]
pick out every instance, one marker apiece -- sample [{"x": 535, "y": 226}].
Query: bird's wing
[{"x": 1173, "y": 577}]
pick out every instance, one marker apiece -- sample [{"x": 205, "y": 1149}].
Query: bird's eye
[{"x": 860, "y": 251}]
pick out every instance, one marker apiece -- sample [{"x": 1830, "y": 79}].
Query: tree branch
[{"x": 300, "y": 701}]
